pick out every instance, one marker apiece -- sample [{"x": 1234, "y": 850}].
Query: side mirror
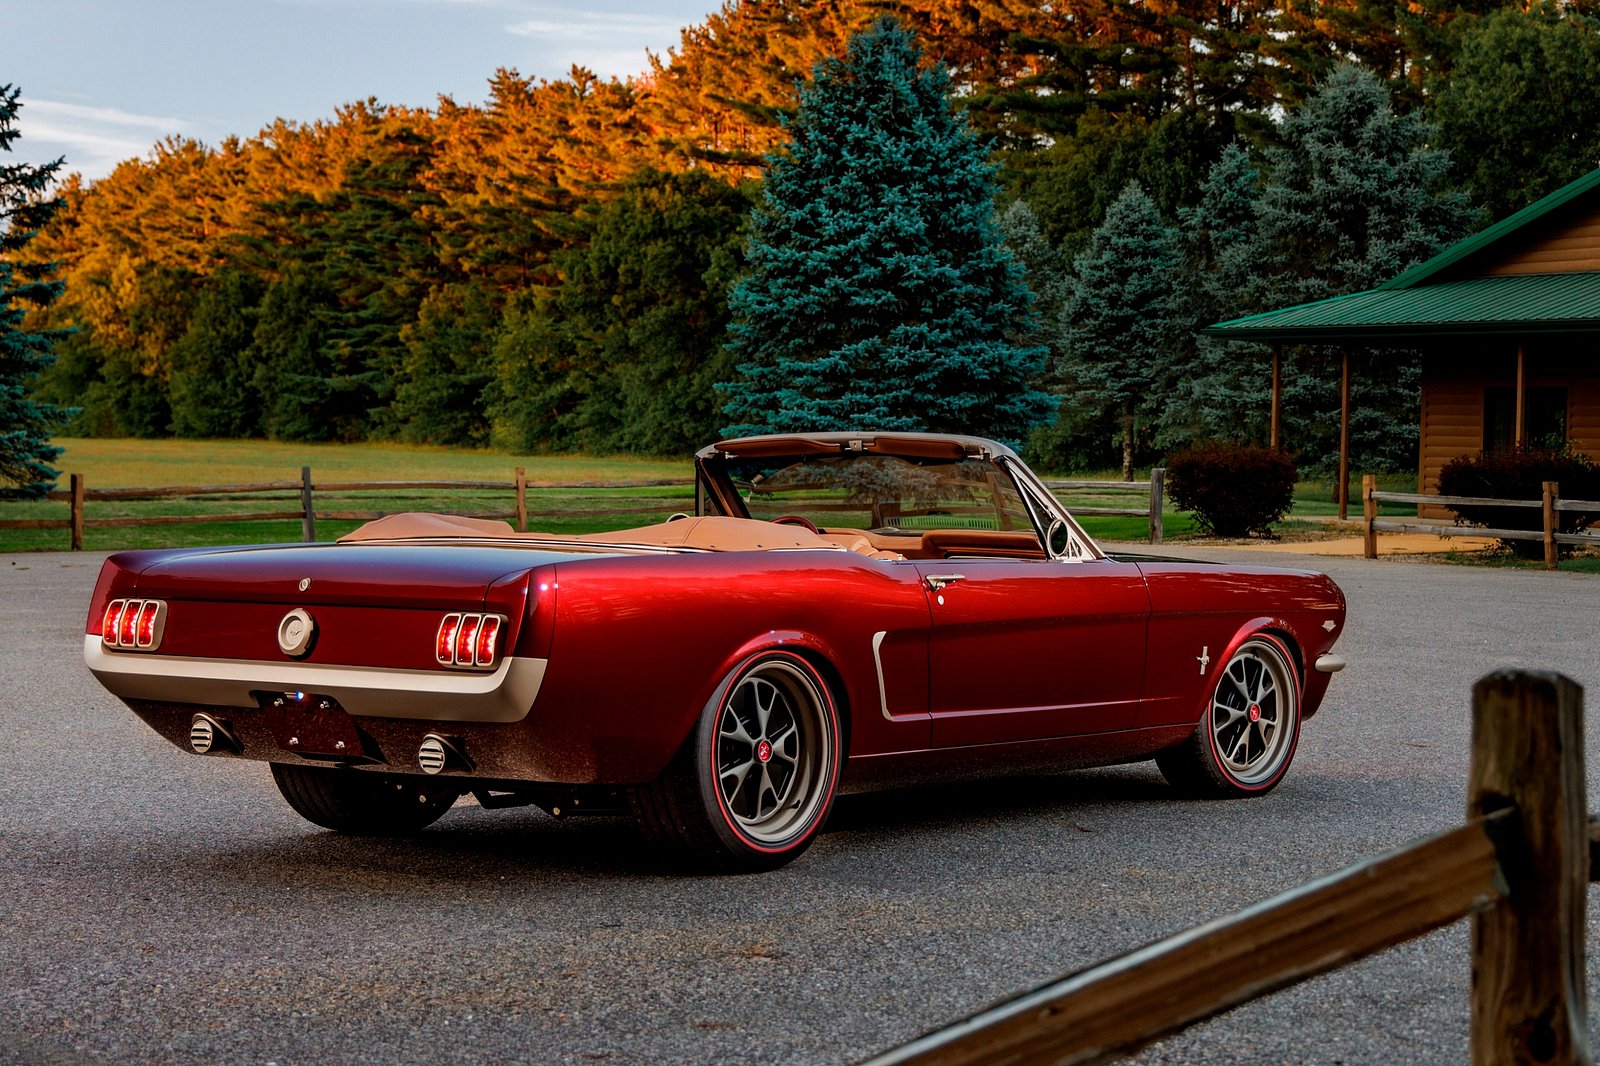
[{"x": 1058, "y": 539}]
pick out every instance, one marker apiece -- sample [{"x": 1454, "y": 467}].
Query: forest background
[{"x": 550, "y": 271}]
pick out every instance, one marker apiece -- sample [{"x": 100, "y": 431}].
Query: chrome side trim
[
  {"x": 503, "y": 695},
  {"x": 1330, "y": 664},
  {"x": 877, "y": 660}
]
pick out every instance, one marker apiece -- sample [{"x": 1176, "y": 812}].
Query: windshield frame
[{"x": 716, "y": 494}]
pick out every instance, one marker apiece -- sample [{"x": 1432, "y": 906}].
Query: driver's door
[{"x": 1033, "y": 648}]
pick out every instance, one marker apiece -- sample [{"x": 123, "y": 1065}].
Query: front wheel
[
  {"x": 363, "y": 803},
  {"x": 1247, "y": 736},
  {"x": 752, "y": 786}
]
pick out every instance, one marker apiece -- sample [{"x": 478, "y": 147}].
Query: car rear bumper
[{"x": 505, "y": 694}]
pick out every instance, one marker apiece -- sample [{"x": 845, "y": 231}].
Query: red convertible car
[{"x": 843, "y": 610}]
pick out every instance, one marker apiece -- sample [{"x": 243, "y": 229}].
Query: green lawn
[{"x": 147, "y": 463}]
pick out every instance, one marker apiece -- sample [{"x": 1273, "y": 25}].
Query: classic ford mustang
[{"x": 843, "y": 610}]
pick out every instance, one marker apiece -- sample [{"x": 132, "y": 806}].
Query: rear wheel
[
  {"x": 1247, "y": 736},
  {"x": 753, "y": 784},
  {"x": 362, "y": 803}
]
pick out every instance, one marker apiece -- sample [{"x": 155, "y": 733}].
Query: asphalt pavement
[{"x": 158, "y": 907}]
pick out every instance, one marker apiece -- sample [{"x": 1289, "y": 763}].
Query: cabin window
[{"x": 1545, "y": 421}]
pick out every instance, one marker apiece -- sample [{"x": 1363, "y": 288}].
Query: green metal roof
[
  {"x": 1524, "y": 303},
  {"x": 1481, "y": 241},
  {"x": 1425, "y": 302}
]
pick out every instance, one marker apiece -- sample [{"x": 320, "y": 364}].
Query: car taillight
[
  {"x": 466, "y": 637},
  {"x": 134, "y": 625},
  {"x": 144, "y": 633},
  {"x": 488, "y": 633},
  {"x": 470, "y": 641},
  {"x": 108, "y": 625},
  {"x": 446, "y": 650}
]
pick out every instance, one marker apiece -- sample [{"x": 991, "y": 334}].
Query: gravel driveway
[{"x": 156, "y": 907}]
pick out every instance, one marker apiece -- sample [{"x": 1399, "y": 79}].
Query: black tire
[
  {"x": 773, "y": 723},
  {"x": 1247, "y": 734},
  {"x": 362, "y": 803}
]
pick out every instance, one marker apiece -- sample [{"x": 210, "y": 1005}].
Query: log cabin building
[{"x": 1508, "y": 323}]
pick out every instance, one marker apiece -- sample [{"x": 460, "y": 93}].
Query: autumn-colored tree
[{"x": 475, "y": 209}]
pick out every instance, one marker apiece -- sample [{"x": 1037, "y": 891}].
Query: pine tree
[
  {"x": 25, "y": 423},
  {"x": 1222, "y": 391},
  {"x": 295, "y": 372},
  {"x": 1119, "y": 321},
  {"x": 624, "y": 354},
  {"x": 440, "y": 398},
  {"x": 1356, "y": 193},
  {"x": 1043, "y": 269},
  {"x": 880, "y": 295},
  {"x": 212, "y": 391}
]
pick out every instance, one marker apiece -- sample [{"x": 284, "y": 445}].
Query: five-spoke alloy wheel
[
  {"x": 756, "y": 780},
  {"x": 1247, "y": 735}
]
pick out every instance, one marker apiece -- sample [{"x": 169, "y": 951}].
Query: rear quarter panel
[{"x": 640, "y": 644}]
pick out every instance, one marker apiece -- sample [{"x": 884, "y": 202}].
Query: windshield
[{"x": 884, "y": 493}]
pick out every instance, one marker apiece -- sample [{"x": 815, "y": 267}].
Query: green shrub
[
  {"x": 1233, "y": 490},
  {"x": 1520, "y": 474}
]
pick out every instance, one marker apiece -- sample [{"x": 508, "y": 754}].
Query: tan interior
[{"x": 713, "y": 533}]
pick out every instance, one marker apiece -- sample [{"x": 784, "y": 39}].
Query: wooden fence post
[
  {"x": 77, "y": 512},
  {"x": 522, "y": 501},
  {"x": 1528, "y": 995},
  {"x": 308, "y": 523},
  {"x": 1369, "y": 512},
  {"x": 1551, "y": 552},
  {"x": 1158, "y": 478}
]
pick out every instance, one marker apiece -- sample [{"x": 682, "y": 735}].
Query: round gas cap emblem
[{"x": 296, "y": 632}]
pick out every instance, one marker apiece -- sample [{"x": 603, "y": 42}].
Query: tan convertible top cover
[{"x": 710, "y": 533}]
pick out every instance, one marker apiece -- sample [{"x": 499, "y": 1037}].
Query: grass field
[
  {"x": 109, "y": 464},
  {"x": 147, "y": 463}
]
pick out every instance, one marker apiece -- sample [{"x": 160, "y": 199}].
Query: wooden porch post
[
  {"x": 1277, "y": 391},
  {"x": 1522, "y": 396},
  {"x": 1344, "y": 436}
]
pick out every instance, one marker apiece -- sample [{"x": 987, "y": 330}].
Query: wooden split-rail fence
[
  {"x": 1550, "y": 505},
  {"x": 78, "y": 496},
  {"x": 1519, "y": 867}
]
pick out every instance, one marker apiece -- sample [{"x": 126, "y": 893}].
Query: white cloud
[
  {"x": 591, "y": 25},
  {"x": 109, "y": 116},
  {"x": 93, "y": 139}
]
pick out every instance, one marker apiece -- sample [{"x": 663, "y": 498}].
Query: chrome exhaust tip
[
  {"x": 437, "y": 754},
  {"x": 209, "y": 736}
]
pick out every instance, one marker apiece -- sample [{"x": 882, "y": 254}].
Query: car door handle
[{"x": 939, "y": 581}]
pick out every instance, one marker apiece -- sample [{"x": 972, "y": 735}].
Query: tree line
[{"x": 554, "y": 269}]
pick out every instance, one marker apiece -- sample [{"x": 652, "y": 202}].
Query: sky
[{"x": 104, "y": 80}]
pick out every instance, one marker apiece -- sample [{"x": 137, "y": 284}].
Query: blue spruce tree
[
  {"x": 1119, "y": 328},
  {"x": 880, "y": 294},
  {"x": 25, "y": 424}
]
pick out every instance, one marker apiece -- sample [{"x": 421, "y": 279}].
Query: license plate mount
[{"x": 313, "y": 726}]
